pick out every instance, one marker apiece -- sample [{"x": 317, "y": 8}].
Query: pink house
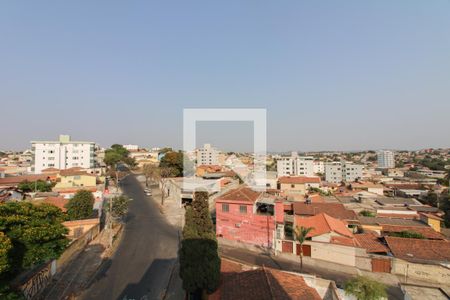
[{"x": 247, "y": 216}]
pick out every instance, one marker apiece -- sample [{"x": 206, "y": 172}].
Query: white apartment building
[
  {"x": 295, "y": 166},
  {"x": 386, "y": 159},
  {"x": 319, "y": 167},
  {"x": 207, "y": 155},
  {"x": 337, "y": 172},
  {"x": 62, "y": 154},
  {"x": 130, "y": 147}
]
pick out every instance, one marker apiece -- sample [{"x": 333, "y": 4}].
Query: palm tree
[{"x": 300, "y": 234}]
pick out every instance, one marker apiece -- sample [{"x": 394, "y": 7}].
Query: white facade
[
  {"x": 386, "y": 159},
  {"x": 319, "y": 167},
  {"x": 131, "y": 147},
  {"x": 207, "y": 155},
  {"x": 337, "y": 172},
  {"x": 295, "y": 166},
  {"x": 62, "y": 154}
]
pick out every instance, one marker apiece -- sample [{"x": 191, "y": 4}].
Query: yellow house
[
  {"x": 70, "y": 179},
  {"x": 431, "y": 220}
]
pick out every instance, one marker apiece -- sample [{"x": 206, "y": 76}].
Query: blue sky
[{"x": 339, "y": 75}]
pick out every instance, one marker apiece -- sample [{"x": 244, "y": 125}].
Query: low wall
[
  {"x": 411, "y": 272},
  {"x": 34, "y": 282}
]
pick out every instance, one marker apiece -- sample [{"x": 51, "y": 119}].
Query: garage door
[
  {"x": 306, "y": 250},
  {"x": 287, "y": 246},
  {"x": 381, "y": 265}
]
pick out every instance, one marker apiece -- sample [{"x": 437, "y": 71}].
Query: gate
[
  {"x": 306, "y": 250},
  {"x": 287, "y": 246},
  {"x": 381, "y": 265}
]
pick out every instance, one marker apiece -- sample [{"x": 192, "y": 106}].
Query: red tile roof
[
  {"x": 419, "y": 250},
  {"x": 371, "y": 242},
  {"x": 240, "y": 194},
  {"x": 298, "y": 179},
  {"x": 323, "y": 223},
  {"x": 59, "y": 202},
  {"x": 260, "y": 284},
  {"x": 426, "y": 231},
  {"x": 335, "y": 210}
]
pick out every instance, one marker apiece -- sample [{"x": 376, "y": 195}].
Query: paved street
[
  {"x": 263, "y": 259},
  {"x": 143, "y": 262}
]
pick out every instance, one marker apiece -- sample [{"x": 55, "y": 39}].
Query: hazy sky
[{"x": 340, "y": 75}]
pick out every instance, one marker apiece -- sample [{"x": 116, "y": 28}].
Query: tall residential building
[
  {"x": 319, "y": 167},
  {"x": 295, "y": 166},
  {"x": 62, "y": 154},
  {"x": 386, "y": 159},
  {"x": 207, "y": 155},
  {"x": 337, "y": 172}
]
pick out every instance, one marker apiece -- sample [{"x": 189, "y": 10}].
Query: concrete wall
[
  {"x": 333, "y": 253},
  {"x": 420, "y": 272}
]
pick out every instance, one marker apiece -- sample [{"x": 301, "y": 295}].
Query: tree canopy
[
  {"x": 39, "y": 186},
  {"x": 81, "y": 205},
  {"x": 199, "y": 259},
  {"x": 36, "y": 234},
  {"x": 120, "y": 206},
  {"x": 364, "y": 288},
  {"x": 116, "y": 154},
  {"x": 174, "y": 161}
]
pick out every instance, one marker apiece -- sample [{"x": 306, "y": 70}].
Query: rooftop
[
  {"x": 323, "y": 223},
  {"x": 335, "y": 210},
  {"x": 298, "y": 180},
  {"x": 238, "y": 282},
  {"x": 419, "y": 250}
]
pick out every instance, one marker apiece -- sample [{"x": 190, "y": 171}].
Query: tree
[
  {"x": 364, "y": 288},
  {"x": 35, "y": 231},
  {"x": 39, "y": 186},
  {"x": 367, "y": 213},
  {"x": 150, "y": 172},
  {"x": 177, "y": 161},
  {"x": 120, "y": 206},
  {"x": 5, "y": 247},
  {"x": 408, "y": 234},
  {"x": 300, "y": 234},
  {"x": 81, "y": 205},
  {"x": 199, "y": 259}
]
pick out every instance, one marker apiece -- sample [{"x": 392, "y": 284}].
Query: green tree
[
  {"x": 300, "y": 234},
  {"x": 364, "y": 288},
  {"x": 5, "y": 247},
  {"x": 39, "y": 186},
  {"x": 120, "y": 206},
  {"x": 36, "y": 233},
  {"x": 408, "y": 234},
  {"x": 367, "y": 213},
  {"x": 81, "y": 205},
  {"x": 199, "y": 259}
]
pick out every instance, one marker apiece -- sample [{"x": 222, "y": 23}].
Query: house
[
  {"x": 297, "y": 185},
  {"x": 326, "y": 229},
  {"x": 247, "y": 216},
  {"x": 78, "y": 227},
  {"x": 239, "y": 281},
  {"x": 419, "y": 250},
  {"x": 372, "y": 242},
  {"x": 335, "y": 210},
  {"x": 432, "y": 220},
  {"x": 57, "y": 201},
  {"x": 73, "y": 178},
  {"x": 14, "y": 181},
  {"x": 370, "y": 187}
]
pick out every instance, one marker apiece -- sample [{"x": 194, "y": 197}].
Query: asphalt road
[{"x": 143, "y": 262}]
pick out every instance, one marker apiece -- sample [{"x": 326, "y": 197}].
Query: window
[
  {"x": 243, "y": 209},
  {"x": 225, "y": 207}
]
